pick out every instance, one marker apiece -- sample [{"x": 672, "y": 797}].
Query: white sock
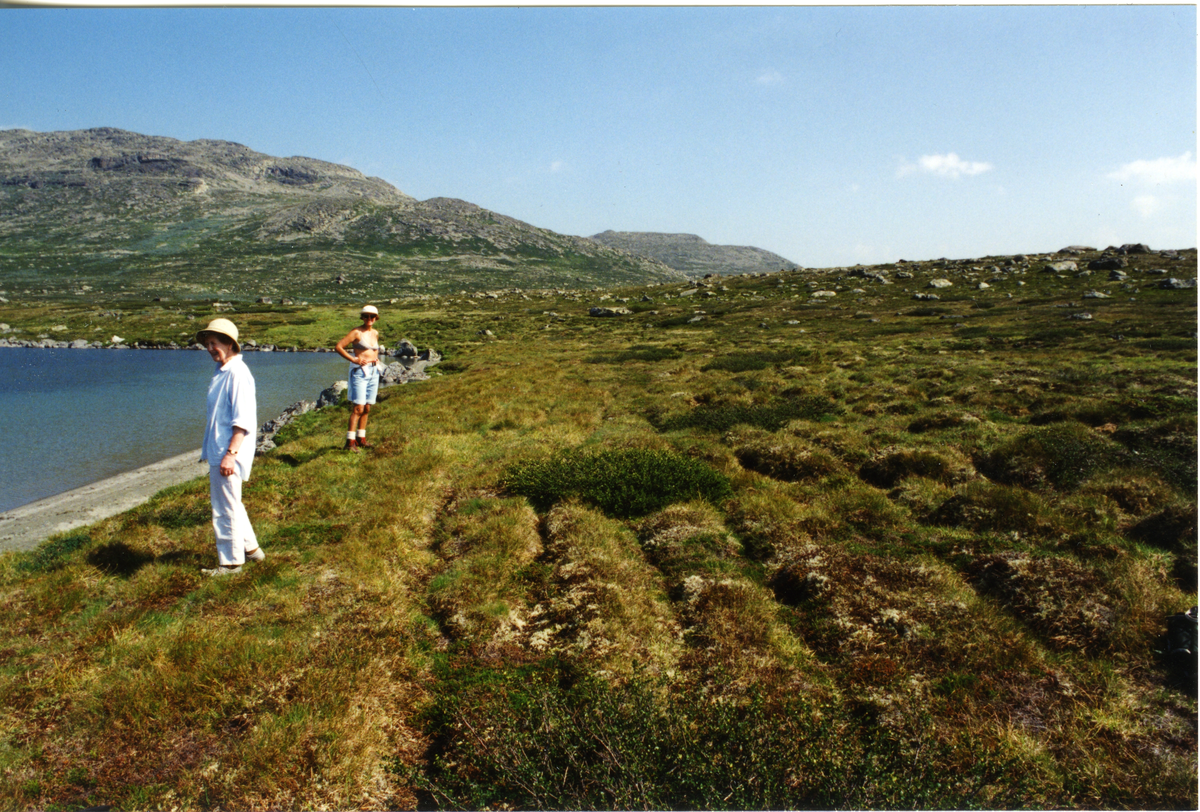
[
  {"x": 362, "y": 433},
  {"x": 349, "y": 435}
]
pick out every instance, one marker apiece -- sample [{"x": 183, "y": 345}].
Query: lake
[{"x": 72, "y": 417}]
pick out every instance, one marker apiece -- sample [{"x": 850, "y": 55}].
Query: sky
[{"x": 829, "y": 135}]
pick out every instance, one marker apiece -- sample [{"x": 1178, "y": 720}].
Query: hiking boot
[
  {"x": 256, "y": 554},
  {"x": 221, "y": 569},
  {"x": 351, "y": 445},
  {"x": 362, "y": 443}
]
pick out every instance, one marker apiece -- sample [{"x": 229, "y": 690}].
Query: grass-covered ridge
[{"x": 746, "y": 547}]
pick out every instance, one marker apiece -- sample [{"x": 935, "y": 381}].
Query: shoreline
[{"x": 27, "y": 526}]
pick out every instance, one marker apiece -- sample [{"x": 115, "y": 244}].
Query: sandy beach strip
[{"x": 25, "y": 527}]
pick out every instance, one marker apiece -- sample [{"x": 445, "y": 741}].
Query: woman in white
[
  {"x": 363, "y": 385},
  {"x": 229, "y": 447}
]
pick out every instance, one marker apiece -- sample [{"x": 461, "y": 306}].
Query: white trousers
[{"x": 234, "y": 534}]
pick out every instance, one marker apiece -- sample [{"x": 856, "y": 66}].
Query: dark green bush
[
  {"x": 770, "y": 416},
  {"x": 758, "y": 359},
  {"x": 621, "y": 482},
  {"x": 642, "y": 352},
  {"x": 1062, "y": 455}
]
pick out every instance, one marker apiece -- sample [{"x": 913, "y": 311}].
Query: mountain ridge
[
  {"x": 694, "y": 255},
  {"x": 210, "y": 217}
]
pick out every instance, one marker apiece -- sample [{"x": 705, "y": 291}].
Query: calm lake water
[{"x": 72, "y": 417}]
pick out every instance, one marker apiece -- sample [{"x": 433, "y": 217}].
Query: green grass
[{"x": 797, "y": 554}]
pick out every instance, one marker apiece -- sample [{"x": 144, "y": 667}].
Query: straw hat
[
  {"x": 222, "y": 327},
  {"x": 374, "y": 311}
]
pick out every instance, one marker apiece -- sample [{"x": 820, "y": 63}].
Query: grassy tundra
[{"x": 750, "y": 545}]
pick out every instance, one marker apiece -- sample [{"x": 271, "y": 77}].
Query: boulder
[
  {"x": 940, "y": 283},
  {"x": 1062, "y": 266},
  {"x": 332, "y": 394},
  {"x": 1108, "y": 263},
  {"x": 1177, "y": 284},
  {"x": 606, "y": 312}
]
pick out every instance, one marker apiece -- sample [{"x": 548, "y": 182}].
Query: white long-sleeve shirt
[{"x": 231, "y": 403}]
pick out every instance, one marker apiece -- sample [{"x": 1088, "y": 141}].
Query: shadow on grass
[{"x": 118, "y": 558}]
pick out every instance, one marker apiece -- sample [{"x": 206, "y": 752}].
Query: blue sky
[{"x": 830, "y": 135}]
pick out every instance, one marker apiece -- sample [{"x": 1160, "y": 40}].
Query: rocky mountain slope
[
  {"x": 109, "y": 209},
  {"x": 693, "y": 255}
]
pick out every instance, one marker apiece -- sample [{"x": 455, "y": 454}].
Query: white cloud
[
  {"x": 945, "y": 166},
  {"x": 558, "y": 166},
  {"x": 1159, "y": 171},
  {"x": 1147, "y": 205},
  {"x": 769, "y": 77}
]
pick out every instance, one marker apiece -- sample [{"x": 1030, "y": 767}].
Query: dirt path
[{"x": 25, "y": 527}]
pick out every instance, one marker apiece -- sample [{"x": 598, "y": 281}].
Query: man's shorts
[{"x": 363, "y": 383}]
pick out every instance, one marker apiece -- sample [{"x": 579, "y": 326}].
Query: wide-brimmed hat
[
  {"x": 222, "y": 327},
  {"x": 374, "y": 311}
]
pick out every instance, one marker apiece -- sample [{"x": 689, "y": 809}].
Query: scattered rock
[
  {"x": 606, "y": 312},
  {"x": 1062, "y": 266},
  {"x": 1177, "y": 284},
  {"x": 1108, "y": 263},
  {"x": 1132, "y": 248},
  {"x": 940, "y": 283}
]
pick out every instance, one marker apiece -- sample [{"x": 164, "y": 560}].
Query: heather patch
[
  {"x": 622, "y": 482},
  {"x": 1062, "y": 456}
]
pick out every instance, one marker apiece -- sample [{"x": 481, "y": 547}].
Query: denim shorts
[{"x": 363, "y": 383}]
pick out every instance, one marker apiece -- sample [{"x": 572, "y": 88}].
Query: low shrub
[
  {"x": 621, "y": 482},
  {"x": 756, "y": 360},
  {"x": 1062, "y": 455},
  {"x": 1167, "y": 447},
  {"x": 642, "y": 352},
  {"x": 771, "y": 415}
]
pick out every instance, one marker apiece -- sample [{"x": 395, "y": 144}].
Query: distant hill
[
  {"x": 114, "y": 209},
  {"x": 692, "y": 255}
]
